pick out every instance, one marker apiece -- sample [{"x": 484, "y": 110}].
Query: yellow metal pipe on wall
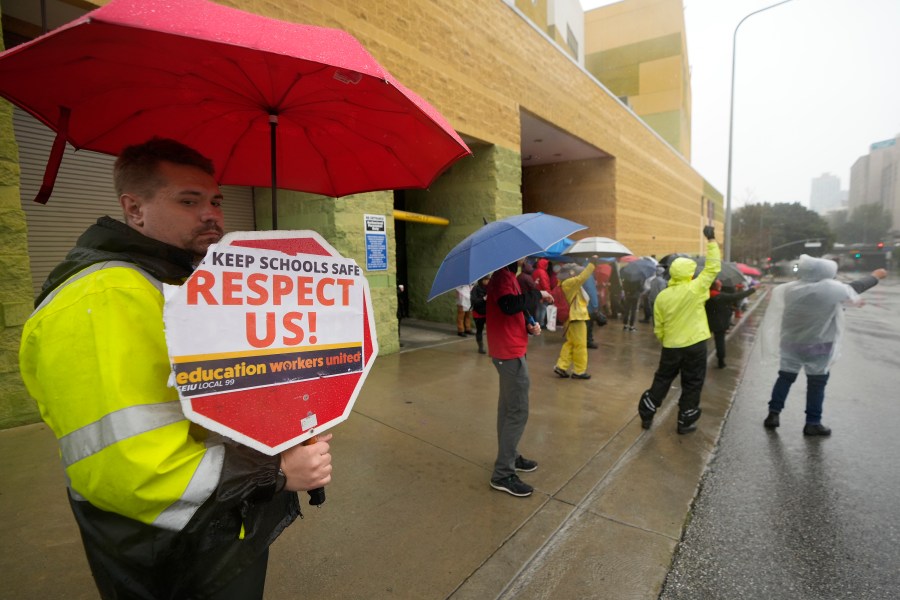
[{"x": 402, "y": 215}]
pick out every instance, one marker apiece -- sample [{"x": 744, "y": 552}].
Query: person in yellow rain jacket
[
  {"x": 166, "y": 508},
  {"x": 680, "y": 324},
  {"x": 573, "y": 354}
]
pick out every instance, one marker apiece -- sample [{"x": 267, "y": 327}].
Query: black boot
[
  {"x": 480, "y": 346},
  {"x": 687, "y": 420},
  {"x": 646, "y": 410},
  {"x": 772, "y": 421}
]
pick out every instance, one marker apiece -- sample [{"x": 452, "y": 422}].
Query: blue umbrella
[
  {"x": 555, "y": 251},
  {"x": 498, "y": 244}
]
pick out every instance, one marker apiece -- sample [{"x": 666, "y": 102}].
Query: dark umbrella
[
  {"x": 638, "y": 270},
  {"x": 729, "y": 274},
  {"x": 270, "y": 102},
  {"x": 666, "y": 261},
  {"x": 498, "y": 244}
]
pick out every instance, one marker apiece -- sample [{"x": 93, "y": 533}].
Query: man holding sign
[{"x": 165, "y": 507}]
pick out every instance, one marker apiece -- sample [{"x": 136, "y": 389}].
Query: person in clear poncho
[{"x": 803, "y": 328}]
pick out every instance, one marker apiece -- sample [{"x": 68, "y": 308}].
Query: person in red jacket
[
  {"x": 508, "y": 327},
  {"x": 542, "y": 283}
]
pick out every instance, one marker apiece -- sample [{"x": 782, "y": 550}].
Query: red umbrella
[
  {"x": 224, "y": 81},
  {"x": 628, "y": 258},
  {"x": 748, "y": 270}
]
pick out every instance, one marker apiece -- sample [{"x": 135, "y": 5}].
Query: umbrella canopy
[
  {"x": 638, "y": 270},
  {"x": 603, "y": 247},
  {"x": 556, "y": 251},
  {"x": 498, "y": 244},
  {"x": 666, "y": 260},
  {"x": 629, "y": 258},
  {"x": 748, "y": 270},
  {"x": 729, "y": 274},
  {"x": 258, "y": 96}
]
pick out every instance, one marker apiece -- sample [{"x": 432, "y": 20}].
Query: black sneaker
[
  {"x": 772, "y": 421},
  {"x": 560, "y": 372},
  {"x": 525, "y": 465},
  {"x": 581, "y": 375},
  {"x": 512, "y": 485},
  {"x": 683, "y": 429},
  {"x": 816, "y": 429}
]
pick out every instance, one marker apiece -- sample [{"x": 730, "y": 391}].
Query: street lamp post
[{"x": 731, "y": 127}]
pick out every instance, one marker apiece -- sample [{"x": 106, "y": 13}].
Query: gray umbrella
[
  {"x": 729, "y": 275},
  {"x": 638, "y": 270}
]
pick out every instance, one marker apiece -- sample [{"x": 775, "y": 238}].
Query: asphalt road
[{"x": 783, "y": 516}]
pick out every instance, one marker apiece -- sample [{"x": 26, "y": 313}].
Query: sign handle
[{"x": 316, "y": 496}]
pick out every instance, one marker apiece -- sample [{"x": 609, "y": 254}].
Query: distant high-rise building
[
  {"x": 875, "y": 178},
  {"x": 825, "y": 194}
]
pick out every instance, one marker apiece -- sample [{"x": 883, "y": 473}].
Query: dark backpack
[{"x": 477, "y": 299}]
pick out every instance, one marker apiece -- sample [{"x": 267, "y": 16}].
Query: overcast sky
[{"x": 817, "y": 82}]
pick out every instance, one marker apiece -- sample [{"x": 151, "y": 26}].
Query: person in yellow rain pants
[{"x": 573, "y": 355}]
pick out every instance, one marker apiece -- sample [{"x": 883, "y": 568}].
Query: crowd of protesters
[{"x": 684, "y": 305}]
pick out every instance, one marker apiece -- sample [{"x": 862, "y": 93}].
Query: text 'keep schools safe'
[{"x": 312, "y": 284}]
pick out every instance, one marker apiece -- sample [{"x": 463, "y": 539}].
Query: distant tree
[
  {"x": 866, "y": 224},
  {"x": 837, "y": 219},
  {"x": 758, "y": 228}
]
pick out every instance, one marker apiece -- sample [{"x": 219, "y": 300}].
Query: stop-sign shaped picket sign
[{"x": 271, "y": 338}]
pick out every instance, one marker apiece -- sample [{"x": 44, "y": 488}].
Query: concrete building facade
[
  {"x": 510, "y": 89},
  {"x": 875, "y": 178},
  {"x": 638, "y": 49},
  {"x": 561, "y": 20}
]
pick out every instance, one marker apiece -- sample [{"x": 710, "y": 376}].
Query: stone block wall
[
  {"x": 340, "y": 221},
  {"x": 485, "y": 186},
  {"x": 16, "y": 301}
]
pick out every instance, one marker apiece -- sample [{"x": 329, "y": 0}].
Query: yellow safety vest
[{"x": 94, "y": 356}]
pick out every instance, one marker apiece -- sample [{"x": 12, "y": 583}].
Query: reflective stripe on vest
[
  {"x": 204, "y": 482},
  {"x": 115, "y": 427}
]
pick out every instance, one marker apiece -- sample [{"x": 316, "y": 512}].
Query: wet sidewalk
[{"x": 410, "y": 513}]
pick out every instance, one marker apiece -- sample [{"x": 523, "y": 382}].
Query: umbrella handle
[{"x": 316, "y": 496}]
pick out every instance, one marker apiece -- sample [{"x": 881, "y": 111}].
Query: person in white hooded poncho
[{"x": 803, "y": 330}]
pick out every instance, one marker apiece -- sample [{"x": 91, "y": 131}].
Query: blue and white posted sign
[{"x": 376, "y": 242}]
